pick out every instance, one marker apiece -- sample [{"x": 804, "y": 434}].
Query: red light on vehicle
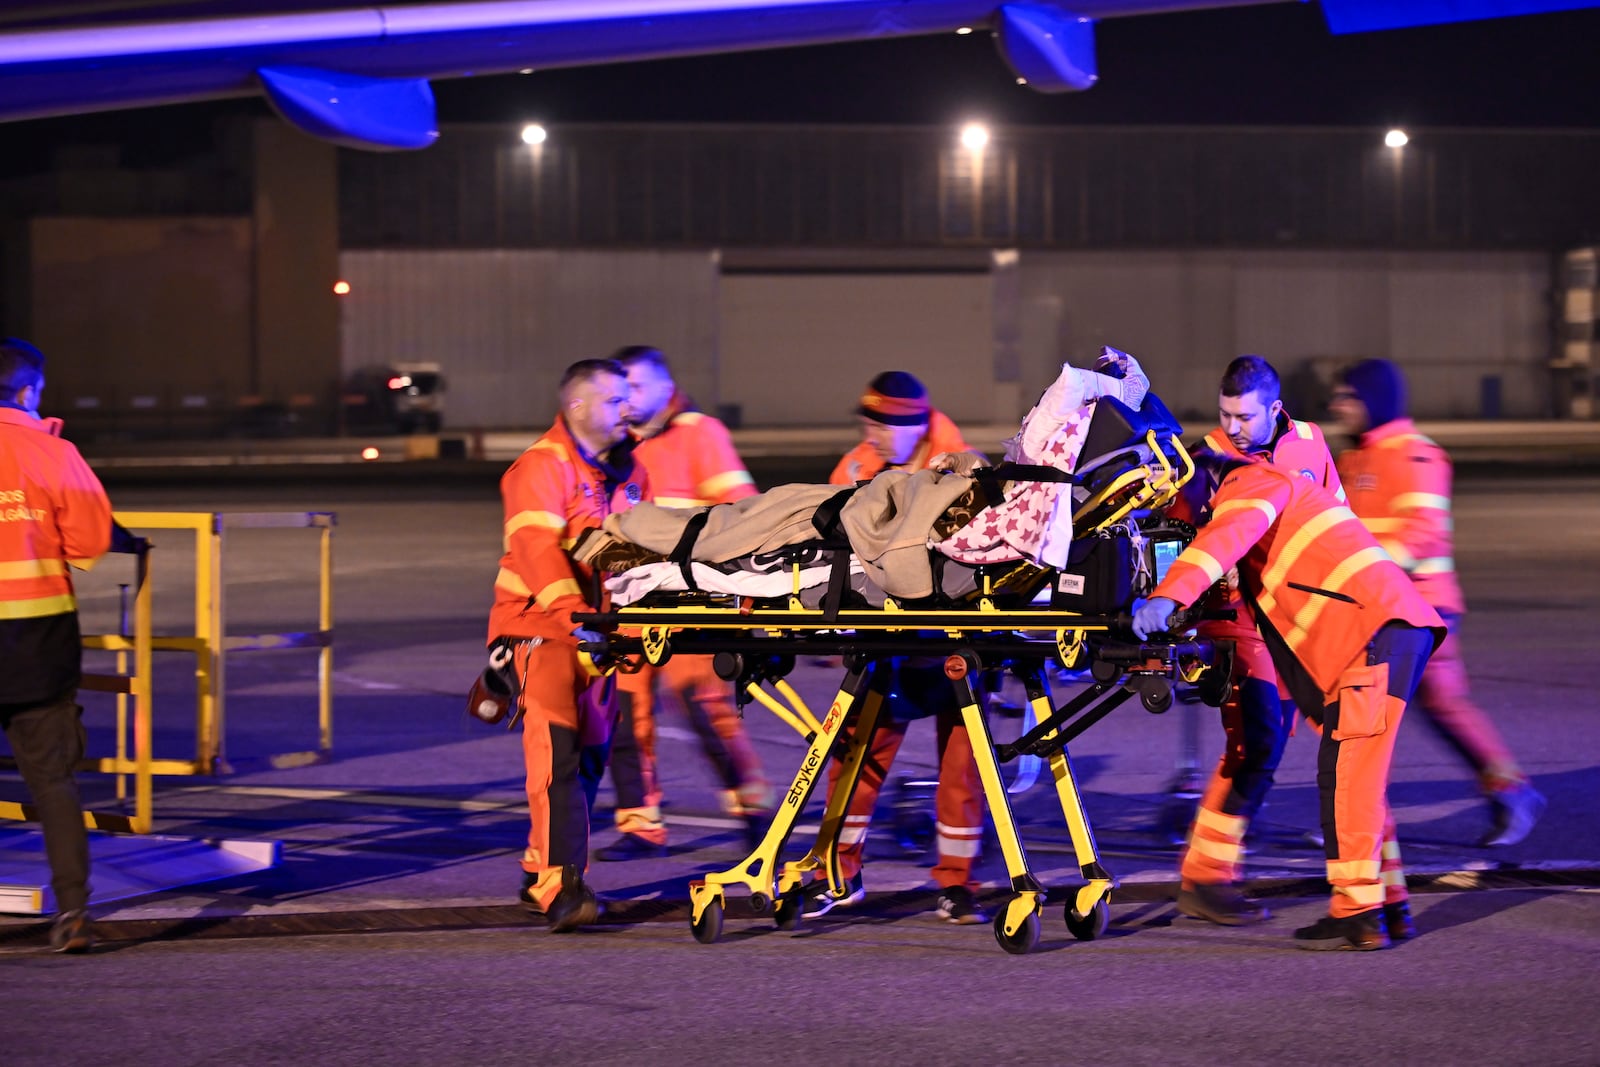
[
  {"x": 401, "y": 382},
  {"x": 341, "y": 287}
]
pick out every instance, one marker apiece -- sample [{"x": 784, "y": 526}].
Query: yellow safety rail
[
  {"x": 210, "y": 644},
  {"x": 129, "y": 687}
]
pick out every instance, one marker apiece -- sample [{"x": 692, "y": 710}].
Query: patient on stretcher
[{"x": 915, "y": 537}]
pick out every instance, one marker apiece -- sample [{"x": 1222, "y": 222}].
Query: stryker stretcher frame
[{"x": 755, "y": 646}]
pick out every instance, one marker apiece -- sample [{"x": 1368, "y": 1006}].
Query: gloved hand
[
  {"x": 588, "y": 659},
  {"x": 1150, "y": 616}
]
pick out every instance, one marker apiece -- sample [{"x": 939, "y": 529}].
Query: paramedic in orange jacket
[
  {"x": 691, "y": 463},
  {"x": 902, "y": 431},
  {"x": 53, "y": 512},
  {"x": 1253, "y": 424},
  {"x": 1349, "y": 636},
  {"x": 1399, "y": 485},
  {"x": 566, "y": 482}
]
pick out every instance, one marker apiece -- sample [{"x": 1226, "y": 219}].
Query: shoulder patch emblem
[{"x": 633, "y": 492}]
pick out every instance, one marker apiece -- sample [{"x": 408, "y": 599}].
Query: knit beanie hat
[
  {"x": 1379, "y": 385},
  {"x": 896, "y": 399}
]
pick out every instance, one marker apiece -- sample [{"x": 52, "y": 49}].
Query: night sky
[{"x": 1275, "y": 65}]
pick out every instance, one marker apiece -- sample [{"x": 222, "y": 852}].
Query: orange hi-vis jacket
[
  {"x": 53, "y": 512},
  {"x": 1316, "y": 575},
  {"x": 1298, "y": 448},
  {"x": 692, "y": 462},
  {"x": 552, "y": 493},
  {"x": 863, "y": 462},
  {"x": 1399, "y": 485}
]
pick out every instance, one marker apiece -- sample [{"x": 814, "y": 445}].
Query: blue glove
[{"x": 1150, "y": 616}]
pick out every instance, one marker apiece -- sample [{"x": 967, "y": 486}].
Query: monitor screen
[{"x": 1165, "y": 552}]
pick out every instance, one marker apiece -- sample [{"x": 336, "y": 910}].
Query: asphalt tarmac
[{"x": 388, "y": 933}]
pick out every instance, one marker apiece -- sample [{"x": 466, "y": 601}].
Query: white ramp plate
[{"x": 123, "y": 865}]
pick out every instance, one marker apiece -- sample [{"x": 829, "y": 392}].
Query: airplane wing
[{"x": 360, "y": 75}]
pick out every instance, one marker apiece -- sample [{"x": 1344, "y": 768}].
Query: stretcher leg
[
  {"x": 759, "y": 871},
  {"x": 1016, "y": 925}
]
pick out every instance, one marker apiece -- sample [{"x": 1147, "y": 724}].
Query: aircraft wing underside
[{"x": 361, "y": 75}]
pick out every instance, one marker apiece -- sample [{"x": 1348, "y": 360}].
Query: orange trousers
[
  {"x": 1443, "y": 697},
  {"x": 708, "y": 702},
  {"x": 1354, "y": 753},
  {"x": 958, "y": 799},
  {"x": 565, "y": 730}
]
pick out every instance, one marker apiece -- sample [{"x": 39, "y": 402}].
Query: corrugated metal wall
[
  {"x": 147, "y": 322},
  {"x": 505, "y": 324},
  {"x": 791, "y": 349},
  {"x": 1451, "y": 320},
  {"x": 797, "y": 349}
]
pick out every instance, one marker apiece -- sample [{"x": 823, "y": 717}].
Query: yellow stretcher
[{"x": 1000, "y": 627}]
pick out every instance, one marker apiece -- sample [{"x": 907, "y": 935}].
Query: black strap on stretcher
[
  {"x": 991, "y": 480},
  {"x": 826, "y": 520},
  {"x": 681, "y": 551}
]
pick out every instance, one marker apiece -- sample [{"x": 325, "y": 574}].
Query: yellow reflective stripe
[
  {"x": 1413, "y": 501},
  {"x": 1341, "y": 575},
  {"x": 1304, "y": 536},
  {"x": 677, "y": 502},
  {"x": 544, "y": 520},
  {"x": 38, "y": 607},
  {"x": 1338, "y": 494},
  {"x": 1203, "y": 560},
  {"x": 32, "y": 568},
  {"x": 633, "y": 820},
  {"x": 550, "y": 446},
  {"x": 1256, "y": 503},
  {"x": 714, "y": 488},
  {"x": 1390, "y": 850},
  {"x": 1302, "y": 430},
  {"x": 688, "y": 418},
  {"x": 1398, "y": 553},
  {"x": 1367, "y": 896},
  {"x": 1218, "y": 440},
  {"x": 1383, "y": 524},
  {"x": 1436, "y": 565},
  {"x": 1395, "y": 877},
  {"x": 556, "y": 590},
  {"x": 1226, "y": 851},
  {"x": 1352, "y": 870},
  {"x": 512, "y": 582},
  {"x": 1227, "y": 825}
]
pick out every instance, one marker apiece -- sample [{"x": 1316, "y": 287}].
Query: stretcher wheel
[
  {"x": 1090, "y": 926},
  {"x": 1024, "y": 940},
  {"x": 708, "y": 928},
  {"x": 789, "y": 907}
]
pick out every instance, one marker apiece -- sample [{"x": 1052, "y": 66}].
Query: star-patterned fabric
[{"x": 1034, "y": 521}]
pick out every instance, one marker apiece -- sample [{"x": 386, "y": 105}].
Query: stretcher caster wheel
[
  {"x": 1024, "y": 940},
  {"x": 708, "y": 928},
  {"x": 760, "y": 903},
  {"x": 789, "y": 907},
  {"x": 1090, "y": 926}
]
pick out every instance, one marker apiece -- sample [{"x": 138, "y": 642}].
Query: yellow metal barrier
[
  {"x": 129, "y": 687},
  {"x": 210, "y": 644}
]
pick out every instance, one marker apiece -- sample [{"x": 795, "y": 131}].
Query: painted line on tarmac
[{"x": 405, "y": 800}]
